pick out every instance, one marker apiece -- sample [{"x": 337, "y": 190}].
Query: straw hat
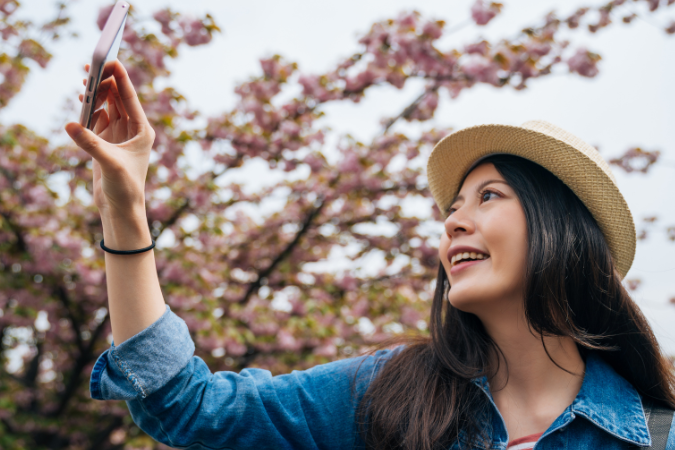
[{"x": 576, "y": 163}]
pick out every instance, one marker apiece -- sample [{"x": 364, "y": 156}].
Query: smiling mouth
[{"x": 465, "y": 257}]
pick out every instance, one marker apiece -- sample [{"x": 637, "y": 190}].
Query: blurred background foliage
[{"x": 308, "y": 270}]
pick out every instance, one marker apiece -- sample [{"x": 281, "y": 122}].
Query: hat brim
[{"x": 574, "y": 162}]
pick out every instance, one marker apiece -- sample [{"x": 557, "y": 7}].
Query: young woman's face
[{"x": 484, "y": 247}]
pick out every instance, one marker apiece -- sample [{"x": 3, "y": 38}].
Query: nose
[{"x": 459, "y": 222}]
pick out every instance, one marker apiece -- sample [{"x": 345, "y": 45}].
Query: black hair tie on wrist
[{"x": 128, "y": 252}]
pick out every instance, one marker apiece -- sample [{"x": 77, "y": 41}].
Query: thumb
[{"x": 88, "y": 141}]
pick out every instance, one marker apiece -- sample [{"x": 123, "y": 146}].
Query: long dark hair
[{"x": 423, "y": 398}]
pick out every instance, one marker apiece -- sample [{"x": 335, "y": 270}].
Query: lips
[
  {"x": 461, "y": 257},
  {"x": 464, "y": 249}
]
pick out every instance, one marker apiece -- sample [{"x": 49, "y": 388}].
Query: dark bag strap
[{"x": 659, "y": 420}]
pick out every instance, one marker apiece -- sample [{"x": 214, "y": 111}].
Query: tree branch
[
  {"x": 408, "y": 110},
  {"x": 306, "y": 225},
  {"x": 61, "y": 294},
  {"x": 20, "y": 242},
  {"x": 100, "y": 439},
  {"x": 80, "y": 363}
]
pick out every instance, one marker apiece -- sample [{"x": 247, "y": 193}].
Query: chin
[{"x": 467, "y": 300}]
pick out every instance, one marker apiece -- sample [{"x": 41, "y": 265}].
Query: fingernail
[{"x": 75, "y": 130}]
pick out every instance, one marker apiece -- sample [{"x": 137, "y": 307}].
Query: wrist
[{"x": 126, "y": 231}]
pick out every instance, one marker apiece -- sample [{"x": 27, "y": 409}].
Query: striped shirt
[{"x": 524, "y": 443}]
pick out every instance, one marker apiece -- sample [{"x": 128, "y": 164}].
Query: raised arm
[
  {"x": 120, "y": 147},
  {"x": 174, "y": 397}
]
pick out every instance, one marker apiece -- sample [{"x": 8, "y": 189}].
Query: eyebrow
[{"x": 478, "y": 189}]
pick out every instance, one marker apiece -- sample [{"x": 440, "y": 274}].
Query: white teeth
[{"x": 459, "y": 257}]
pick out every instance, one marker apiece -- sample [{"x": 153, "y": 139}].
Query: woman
[{"x": 533, "y": 337}]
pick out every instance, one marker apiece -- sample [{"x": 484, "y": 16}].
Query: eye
[{"x": 488, "y": 195}]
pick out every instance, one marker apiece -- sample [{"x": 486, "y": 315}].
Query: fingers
[
  {"x": 115, "y": 101},
  {"x": 127, "y": 93},
  {"x": 100, "y": 100},
  {"x": 100, "y": 121},
  {"x": 89, "y": 142},
  {"x": 101, "y": 92}
]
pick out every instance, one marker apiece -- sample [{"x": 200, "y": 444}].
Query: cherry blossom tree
[{"x": 256, "y": 275}]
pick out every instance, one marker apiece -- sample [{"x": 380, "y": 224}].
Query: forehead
[{"x": 478, "y": 175}]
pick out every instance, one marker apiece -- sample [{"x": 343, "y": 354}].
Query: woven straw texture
[{"x": 576, "y": 163}]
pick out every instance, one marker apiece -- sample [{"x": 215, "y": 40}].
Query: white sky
[{"x": 630, "y": 103}]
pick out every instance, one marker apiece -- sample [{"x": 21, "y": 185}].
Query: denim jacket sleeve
[{"x": 174, "y": 397}]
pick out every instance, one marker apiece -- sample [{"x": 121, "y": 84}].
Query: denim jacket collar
[
  {"x": 611, "y": 403},
  {"x": 605, "y": 399}
]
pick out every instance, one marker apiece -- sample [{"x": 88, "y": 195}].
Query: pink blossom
[
  {"x": 39, "y": 196},
  {"x": 584, "y": 63},
  {"x": 311, "y": 85},
  {"x": 7, "y": 31},
  {"x": 483, "y": 13},
  {"x": 274, "y": 68},
  {"x": 482, "y": 70},
  {"x": 208, "y": 343},
  {"x": 605, "y": 19},
  {"x": 433, "y": 29},
  {"x": 270, "y": 67},
  {"x": 209, "y": 277},
  {"x": 629, "y": 18},
  {"x": 350, "y": 164},
  {"x": 347, "y": 283},
  {"x": 264, "y": 328},
  {"x": 326, "y": 350},
  {"x": 194, "y": 32},
  {"x": 314, "y": 162},
  {"x": 8, "y": 7},
  {"x": 573, "y": 20},
  {"x": 479, "y": 48},
  {"x": 33, "y": 50},
  {"x": 426, "y": 108},
  {"x": 671, "y": 27},
  {"x": 396, "y": 79},
  {"x": 286, "y": 341},
  {"x": 360, "y": 308},
  {"x": 235, "y": 348},
  {"x": 163, "y": 16},
  {"x": 361, "y": 80},
  {"x": 407, "y": 20},
  {"x": 291, "y": 129},
  {"x": 159, "y": 211},
  {"x": 66, "y": 240},
  {"x": 538, "y": 48},
  {"x": 89, "y": 276},
  {"x": 138, "y": 76},
  {"x": 409, "y": 316}
]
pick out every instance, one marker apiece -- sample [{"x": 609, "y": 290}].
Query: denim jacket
[{"x": 174, "y": 397}]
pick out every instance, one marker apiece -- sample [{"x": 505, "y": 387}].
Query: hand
[{"x": 119, "y": 145}]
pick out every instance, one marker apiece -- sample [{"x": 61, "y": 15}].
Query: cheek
[
  {"x": 443, "y": 252},
  {"x": 506, "y": 236}
]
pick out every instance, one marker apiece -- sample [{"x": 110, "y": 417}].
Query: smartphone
[{"x": 106, "y": 51}]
